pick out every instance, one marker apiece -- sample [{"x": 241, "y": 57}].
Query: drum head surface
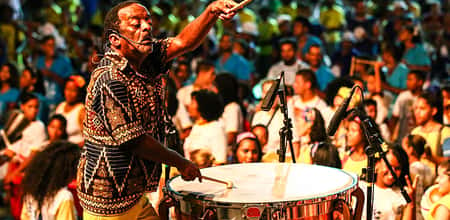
[{"x": 266, "y": 183}]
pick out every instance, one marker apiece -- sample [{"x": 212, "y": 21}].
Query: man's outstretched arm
[{"x": 195, "y": 32}]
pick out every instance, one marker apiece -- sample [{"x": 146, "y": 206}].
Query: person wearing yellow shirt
[
  {"x": 425, "y": 114},
  {"x": 356, "y": 141}
]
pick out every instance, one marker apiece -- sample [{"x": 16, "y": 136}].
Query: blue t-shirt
[
  {"x": 10, "y": 96},
  {"x": 236, "y": 65},
  {"x": 398, "y": 77},
  {"x": 417, "y": 56},
  {"x": 63, "y": 68},
  {"x": 324, "y": 76}
]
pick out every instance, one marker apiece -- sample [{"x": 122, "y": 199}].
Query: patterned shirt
[{"x": 121, "y": 105}]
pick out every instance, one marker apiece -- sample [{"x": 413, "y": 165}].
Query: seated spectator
[
  {"x": 9, "y": 93},
  {"x": 31, "y": 81},
  {"x": 207, "y": 133},
  {"x": 32, "y": 135},
  {"x": 247, "y": 149},
  {"x": 73, "y": 108},
  {"x": 55, "y": 68},
  {"x": 45, "y": 183}
]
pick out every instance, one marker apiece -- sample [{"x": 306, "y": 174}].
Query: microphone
[
  {"x": 340, "y": 114},
  {"x": 128, "y": 39},
  {"x": 271, "y": 94}
]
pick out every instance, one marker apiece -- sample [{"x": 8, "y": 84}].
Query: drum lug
[{"x": 279, "y": 214}]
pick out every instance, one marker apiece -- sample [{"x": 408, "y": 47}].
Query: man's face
[
  {"x": 314, "y": 56},
  {"x": 136, "y": 25},
  {"x": 299, "y": 29},
  {"x": 412, "y": 83},
  {"x": 287, "y": 53},
  {"x": 226, "y": 44},
  {"x": 300, "y": 85},
  {"x": 48, "y": 47}
]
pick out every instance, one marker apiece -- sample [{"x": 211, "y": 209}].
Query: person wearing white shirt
[
  {"x": 204, "y": 80},
  {"x": 207, "y": 133},
  {"x": 305, "y": 98},
  {"x": 289, "y": 63}
]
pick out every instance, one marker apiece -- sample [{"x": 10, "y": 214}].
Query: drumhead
[{"x": 266, "y": 183}]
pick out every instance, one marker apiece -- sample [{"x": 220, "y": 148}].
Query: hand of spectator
[
  {"x": 411, "y": 188},
  {"x": 189, "y": 171}
]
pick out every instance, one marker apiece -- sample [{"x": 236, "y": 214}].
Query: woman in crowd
[
  {"x": 33, "y": 135},
  {"x": 45, "y": 183},
  {"x": 388, "y": 202},
  {"x": 232, "y": 117},
  {"x": 247, "y": 148},
  {"x": 312, "y": 134},
  {"x": 73, "y": 109},
  {"x": 356, "y": 159},
  {"x": 8, "y": 87},
  {"x": 207, "y": 133},
  {"x": 31, "y": 81}
]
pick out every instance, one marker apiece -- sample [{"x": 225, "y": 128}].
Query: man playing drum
[{"x": 124, "y": 112}]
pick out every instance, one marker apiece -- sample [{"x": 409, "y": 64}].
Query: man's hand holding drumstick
[{"x": 226, "y": 9}]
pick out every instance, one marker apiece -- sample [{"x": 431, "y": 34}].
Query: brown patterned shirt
[{"x": 121, "y": 105}]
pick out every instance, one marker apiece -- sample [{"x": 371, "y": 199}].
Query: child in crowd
[{"x": 247, "y": 148}]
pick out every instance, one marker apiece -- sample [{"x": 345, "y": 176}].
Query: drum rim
[{"x": 344, "y": 192}]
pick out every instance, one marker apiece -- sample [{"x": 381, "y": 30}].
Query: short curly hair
[{"x": 210, "y": 104}]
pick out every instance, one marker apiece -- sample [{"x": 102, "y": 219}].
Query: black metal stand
[
  {"x": 286, "y": 130},
  {"x": 374, "y": 151}
]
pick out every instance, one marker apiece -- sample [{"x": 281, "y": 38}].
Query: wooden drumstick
[
  {"x": 228, "y": 183},
  {"x": 240, "y": 5}
]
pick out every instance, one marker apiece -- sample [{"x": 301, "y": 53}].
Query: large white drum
[{"x": 264, "y": 191}]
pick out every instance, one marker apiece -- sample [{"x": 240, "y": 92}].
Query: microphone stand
[
  {"x": 374, "y": 151},
  {"x": 286, "y": 130}
]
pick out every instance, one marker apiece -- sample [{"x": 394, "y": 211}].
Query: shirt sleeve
[
  {"x": 118, "y": 113},
  {"x": 231, "y": 117}
]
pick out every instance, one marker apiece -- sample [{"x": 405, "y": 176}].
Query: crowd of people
[{"x": 398, "y": 52}]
